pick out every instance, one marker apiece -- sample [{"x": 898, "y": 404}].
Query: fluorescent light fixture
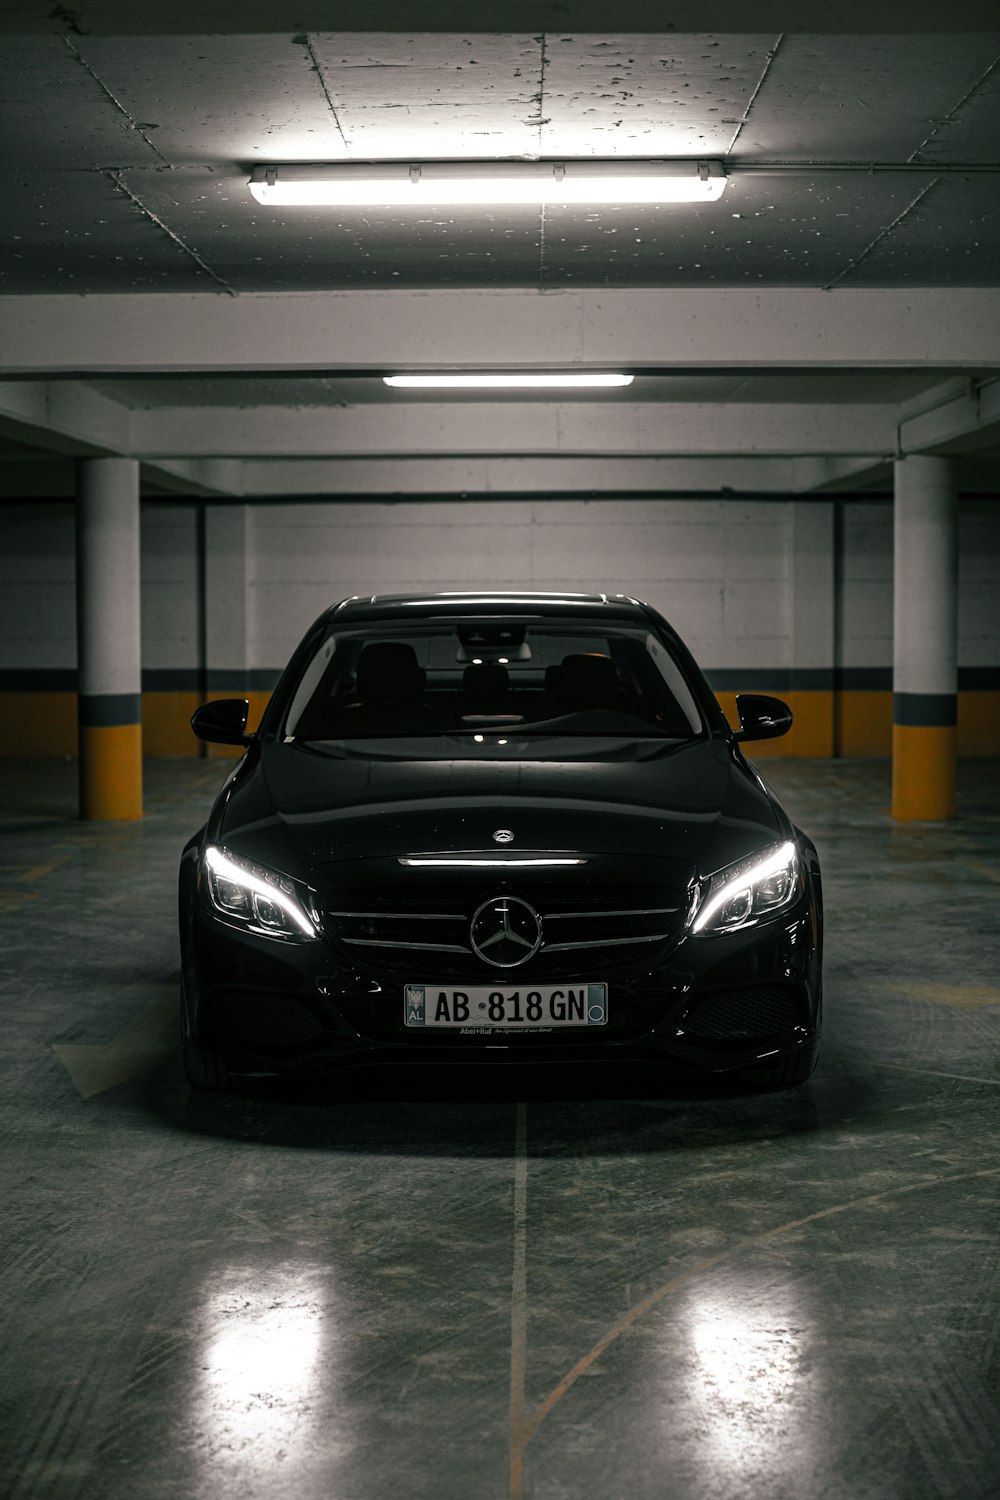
[
  {"x": 352, "y": 184},
  {"x": 500, "y": 382}
]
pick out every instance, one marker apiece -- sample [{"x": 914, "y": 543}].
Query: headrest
[
  {"x": 586, "y": 681},
  {"x": 388, "y": 673},
  {"x": 485, "y": 683}
]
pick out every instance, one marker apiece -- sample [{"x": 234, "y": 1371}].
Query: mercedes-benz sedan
[{"x": 478, "y": 828}]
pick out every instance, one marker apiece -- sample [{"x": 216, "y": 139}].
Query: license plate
[{"x": 482, "y": 1008}]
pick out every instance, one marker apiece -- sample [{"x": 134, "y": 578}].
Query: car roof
[{"x": 524, "y": 605}]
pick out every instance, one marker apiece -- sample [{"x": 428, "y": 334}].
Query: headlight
[
  {"x": 261, "y": 900},
  {"x": 749, "y": 891}
]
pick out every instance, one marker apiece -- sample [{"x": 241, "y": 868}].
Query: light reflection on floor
[
  {"x": 752, "y": 1392},
  {"x": 266, "y": 1393}
]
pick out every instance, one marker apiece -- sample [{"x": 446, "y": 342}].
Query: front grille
[
  {"x": 257, "y": 1018},
  {"x": 740, "y": 1015},
  {"x": 426, "y": 932}
]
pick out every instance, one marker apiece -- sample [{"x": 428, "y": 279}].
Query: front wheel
[{"x": 204, "y": 1070}]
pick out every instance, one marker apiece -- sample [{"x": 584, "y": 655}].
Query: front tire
[{"x": 203, "y": 1071}]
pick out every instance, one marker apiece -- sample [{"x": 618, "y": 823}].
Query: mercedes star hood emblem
[{"x": 505, "y": 931}]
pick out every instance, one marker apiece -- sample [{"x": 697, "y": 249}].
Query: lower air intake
[
  {"x": 261, "y": 1019},
  {"x": 739, "y": 1015}
]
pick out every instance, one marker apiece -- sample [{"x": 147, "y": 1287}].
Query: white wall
[
  {"x": 170, "y": 604},
  {"x": 718, "y": 570},
  {"x": 721, "y": 571},
  {"x": 979, "y": 584},
  {"x": 37, "y": 592},
  {"x": 865, "y": 616}
]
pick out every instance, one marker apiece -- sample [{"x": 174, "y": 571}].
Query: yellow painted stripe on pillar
[
  {"x": 166, "y": 723},
  {"x": 37, "y": 723},
  {"x": 923, "y": 772},
  {"x": 864, "y": 722},
  {"x": 111, "y": 773},
  {"x": 979, "y": 723}
]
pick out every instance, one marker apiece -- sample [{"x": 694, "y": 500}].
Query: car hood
[{"x": 299, "y": 806}]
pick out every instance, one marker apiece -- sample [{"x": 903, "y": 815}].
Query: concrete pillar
[
  {"x": 925, "y": 639},
  {"x": 108, "y": 638}
]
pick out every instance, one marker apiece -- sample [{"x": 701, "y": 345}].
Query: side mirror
[
  {"x": 761, "y": 717},
  {"x": 223, "y": 721}
]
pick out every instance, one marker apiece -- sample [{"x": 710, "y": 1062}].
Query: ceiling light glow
[
  {"x": 386, "y": 184},
  {"x": 500, "y": 382}
]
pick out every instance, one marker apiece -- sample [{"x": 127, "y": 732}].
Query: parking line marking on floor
[
  {"x": 143, "y": 1043},
  {"x": 959, "y": 996},
  {"x": 647, "y": 1304},
  {"x": 518, "y": 1309},
  {"x": 35, "y": 872},
  {"x": 935, "y": 1073},
  {"x": 13, "y": 894}
]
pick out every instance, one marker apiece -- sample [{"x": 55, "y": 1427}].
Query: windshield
[{"x": 548, "y": 677}]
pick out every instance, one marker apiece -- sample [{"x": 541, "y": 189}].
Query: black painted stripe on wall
[
  {"x": 770, "y": 679},
  {"x": 171, "y": 679},
  {"x": 38, "y": 680},
  {"x": 222, "y": 681},
  {"x": 154, "y": 680},
  {"x": 256, "y": 680},
  {"x": 108, "y": 710},
  {"x": 925, "y": 710},
  {"x": 978, "y": 679},
  {"x": 864, "y": 679}
]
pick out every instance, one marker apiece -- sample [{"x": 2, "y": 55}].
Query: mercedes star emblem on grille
[
  {"x": 503, "y": 836},
  {"x": 505, "y": 931}
]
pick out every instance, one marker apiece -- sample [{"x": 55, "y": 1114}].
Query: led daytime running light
[
  {"x": 228, "y": 869},
  {"x": 771, "y": 864}
]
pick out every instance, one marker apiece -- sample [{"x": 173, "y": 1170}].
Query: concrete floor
[{"x": 541, "y": 1287}]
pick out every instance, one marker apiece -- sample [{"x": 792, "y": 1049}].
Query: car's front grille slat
[
  {"x": 403, "y": 916},
  {"x": 599, "y": 925},
  {"x": 606, "y": 942},
  {"x": 388, "y": 943},
  {"x": 586, "y": 916}
]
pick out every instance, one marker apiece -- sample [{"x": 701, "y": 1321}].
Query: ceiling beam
[
  {"x": 63, "y": 417},
  {"x": 606, "y": 477},
  {"x": 381, "y": 331},
  {"x": 598, "y": 428},
  {"x": 820, "y": 476},
  {"x": 198, "y": 17},
  {"x": 205, "y": 477},
  {"x": 967, "y": 418}
]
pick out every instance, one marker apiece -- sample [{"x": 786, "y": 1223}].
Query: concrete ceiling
[{"x": 862, "y": 163}]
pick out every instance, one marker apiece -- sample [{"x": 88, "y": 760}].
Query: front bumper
[{"x": 710, "y": 1004}]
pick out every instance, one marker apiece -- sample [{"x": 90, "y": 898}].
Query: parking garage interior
[{"x": 514, "y": 1283}]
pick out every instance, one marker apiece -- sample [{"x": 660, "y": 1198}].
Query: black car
[{"x": 479, "y": 828}]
